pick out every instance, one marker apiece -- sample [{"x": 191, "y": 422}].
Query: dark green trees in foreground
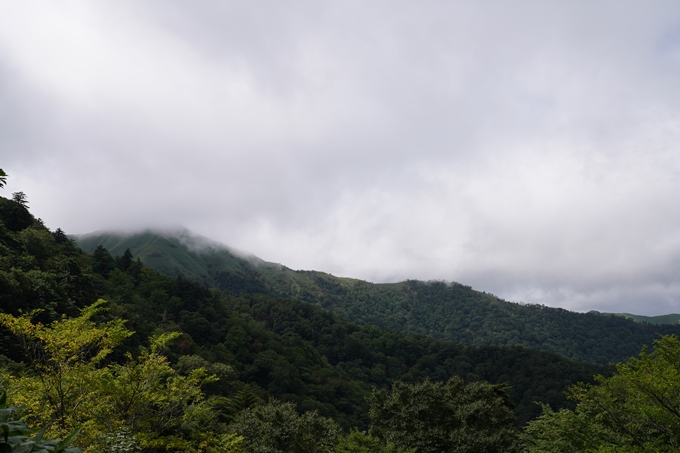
[
  {"x": 428, "y": 417},
  {"x": 277, "y": 427},
  {"x": 435, "y": 417},
  {"x": 636, "y": 410},
  {"x": 72, "y": 385},
  {"x": 332, "y": 386}
]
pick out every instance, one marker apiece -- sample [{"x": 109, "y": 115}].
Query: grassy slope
[{"x": 447, "y": 311}]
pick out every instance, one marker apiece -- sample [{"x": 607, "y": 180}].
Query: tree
[
  {"x": 359, "y": 442},
  {"x": 3, "y": 178},
  {"x": 566, "y": 431},
  {"x": 20, "y": 198},
  {"x": 277, "y": 428},
  {"x": 74, "y": 386},
  {"x": 158, "y": 406},
  {"x": 124, "y": 262},
  {"x": 444, "y": 417},
  {"x": 15, "y": 216},
  {"x": 15, "y": 434},
  {"x": 103, "y": 261},
  {"x": 65, "y": 357},
  {"x": 637, "y": 409}
]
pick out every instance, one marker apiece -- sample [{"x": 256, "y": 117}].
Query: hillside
[
  {"x": 277, "y": 347},
  {"x": 448, "y": 311},
  {"x": 673, "y": 318}
]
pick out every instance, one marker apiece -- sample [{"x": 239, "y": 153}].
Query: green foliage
[
  {"x": 20, "y": 198},
  {"x": 448, "y": 311},
  {"x": 278, "y": 428},
  {"x": 39, "y": 270},
  {"x": 14, "y": 215},
  {"x": 375, "y": 357},
  {"x": 259, "y": 346},
  {"x": 566, "y": 431},
  {"x": 124, "y": 262},
  {"x": 360, "y": 442},
  {"x": 3, "y": 178},
  {"x": 104, "y": 263},
  {"x": 183, "y": 255},
  {"x": 287, "y": 349},
  {"x": 65, "y": 357},
  {"x": 636, "y": 409},
  {"x": 122, "y": 441},
  {"x": 673, "y": 318},
  {"x": 147, "y": 397},
  {"x": 432, "y": 417},
  {"x": 15, "y": 434},
  {"x": 73, "y": 385}
]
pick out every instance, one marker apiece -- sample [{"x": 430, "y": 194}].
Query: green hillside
[
  {"x": 174, "y": 253},
  {"x": 448, "y": 311},
  {"x": 261, "y": 346},
  {"x": 197, "y": 258},
  {"x": 673, "y": 318},
  {"x": 198, "y": 365}
]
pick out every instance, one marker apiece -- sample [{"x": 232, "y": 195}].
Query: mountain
[
  {"x": 260, "y": 346},
  {"x": 448, "y": 311},
  {"x": 177, "y": 252},
  {"x": 673, "y": 318}
]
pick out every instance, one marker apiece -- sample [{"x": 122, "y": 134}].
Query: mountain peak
[{"x": 194, "y": 242}]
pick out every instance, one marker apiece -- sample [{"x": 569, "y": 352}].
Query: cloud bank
[{"x": 529, "y": 149}]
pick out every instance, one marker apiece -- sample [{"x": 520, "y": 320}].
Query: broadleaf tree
[
  {"x": 635, "y": 410},
  {"x": 277, "y": 427},
  {"x": 435, "y": 417},
  {"x": 73, "y": 386}
]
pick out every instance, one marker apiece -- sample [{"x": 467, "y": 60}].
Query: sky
[{"x": 529, "y": 149}]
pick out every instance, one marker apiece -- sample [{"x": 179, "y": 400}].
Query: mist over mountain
[
  {"x": 444, "y": 310},
  {"x": 260, "y": 346}
]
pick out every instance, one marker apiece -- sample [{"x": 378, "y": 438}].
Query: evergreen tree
[
  {"x": 103, "y": 261},
  {"x": 124, "y": 262},
  {"x": 20, "y": 197}
]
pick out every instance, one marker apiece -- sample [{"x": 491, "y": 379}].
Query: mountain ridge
[
  {"x": 449, "y": 311},
  {"x": 671, "y": 318},
  {"x": 259, "y": 346}
]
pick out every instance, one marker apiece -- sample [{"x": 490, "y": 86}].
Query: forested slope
[
  {"x": 447, "y": 311},
  {"x": 279, "y": 347},
  {"x": 673, "y": 318}
]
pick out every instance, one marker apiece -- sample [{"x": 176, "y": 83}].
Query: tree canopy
[
  {"x": 636, "y": 409},
  {"x": 73, "y": 386},
  {"x": 434, "y": 417},
  {"x": 167, "y": 364}
]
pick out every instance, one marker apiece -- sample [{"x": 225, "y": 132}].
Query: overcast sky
[{"x": 528, "y": 149}]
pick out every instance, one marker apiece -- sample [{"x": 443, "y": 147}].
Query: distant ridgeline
[
  {"x": 287, "y": 349},
  {"x": 673, "y": 318},
  {"x": 446, "y": 311}
]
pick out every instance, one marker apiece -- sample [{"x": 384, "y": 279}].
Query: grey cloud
[{"x": 527, "y": 148}]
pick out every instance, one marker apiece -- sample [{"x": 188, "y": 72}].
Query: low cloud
[{"x": 528, "y": 150}]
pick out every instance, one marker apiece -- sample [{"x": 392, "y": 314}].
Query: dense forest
[
  {"x": 448, "y": 311},
  {"x": 289, "y": 349},
  {"x": 112, "y": 355}
]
